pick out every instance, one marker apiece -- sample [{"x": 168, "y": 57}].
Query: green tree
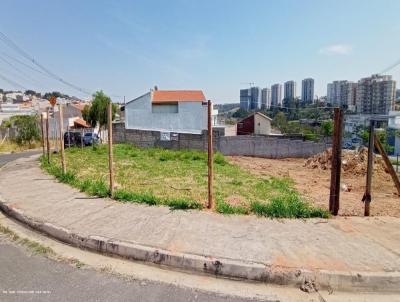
[
  {"x": 240, "y": 113},
  {"x": 280, "y": 122},
  {"x": 97, "y": 114},
  {"x": 27, "y": 129},
  {"x": 327, "y": 128}
]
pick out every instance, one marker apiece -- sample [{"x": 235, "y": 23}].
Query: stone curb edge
[{"x": 331, "y": 280}]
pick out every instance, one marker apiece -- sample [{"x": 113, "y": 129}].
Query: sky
[{"x": 219, "y": 46}]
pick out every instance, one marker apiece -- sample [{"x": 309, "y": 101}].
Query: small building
[
  {"x": 256, "y": 123},
  {"x": 182, "y": 111}
]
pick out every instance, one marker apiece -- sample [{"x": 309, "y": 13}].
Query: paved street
[
  {"x": 25, "y": 277},
  {"x": 21, "y": 273},
  {"x": 5, "y": 158}
]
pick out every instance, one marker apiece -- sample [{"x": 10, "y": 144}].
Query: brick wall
[{"x": 245, "y": 145}]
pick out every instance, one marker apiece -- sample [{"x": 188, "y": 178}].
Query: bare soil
[{"x": 313, "y": 181}]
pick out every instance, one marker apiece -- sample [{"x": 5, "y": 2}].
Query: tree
[
  {"x": 241, "y": 113},
  {"x": 96, "y": 115},
  {"x": 280, "y": 122},
  {"x": 27, "y": 129},
  {"x": 327, "y": 128}
]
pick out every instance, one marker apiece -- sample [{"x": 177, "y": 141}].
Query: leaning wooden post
[
  {"x": 367, "y": 195},
  {"x": 47, "y": 135},
  {"x": 42, "y": 133},
  {"x": 336, "y": 162},
  {"x": 388, "y": 164},
  {"x": 110, "y": 150},
  {"x": 210, "y": 157},
  {"x": 64, "y": 169}
]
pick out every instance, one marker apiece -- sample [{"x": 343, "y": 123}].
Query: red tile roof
[
  {"x": 168, "y": 96},
  {"x": 82, "y": 123}
]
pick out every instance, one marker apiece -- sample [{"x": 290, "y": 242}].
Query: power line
[
  {"x": 390, "y": 67},
  {"x": 37, "y": 83},
  {"x": 15, "y": 84},
  {"x": 4, "y": 38},
  {"x": 24, "y": 64}
]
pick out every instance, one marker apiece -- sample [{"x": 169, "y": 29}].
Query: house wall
[
  {"x": 246, "y": 126},
  {"x": 261, "y": 125},
  {"x": 245, "y": 145},
  {"x": 191, "y": 117}
]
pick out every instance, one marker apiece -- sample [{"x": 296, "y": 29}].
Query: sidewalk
[{"x": 339, "y": 253}]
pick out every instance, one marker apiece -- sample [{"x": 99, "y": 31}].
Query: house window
[{"x": 164, "y": 108}]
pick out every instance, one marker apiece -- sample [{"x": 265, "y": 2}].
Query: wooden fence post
[
  {"x": 210, "y": 157},
  {"x": 388, "y": 164},
  {"x": 336, "y": 162},
  {"x": 42, "y": 133},
  {"x": 47, "y": 134},
  {"x": 110, "y": 149},
  {"x": 367, "y": 195},
  {"x": 64, "y": 169}
]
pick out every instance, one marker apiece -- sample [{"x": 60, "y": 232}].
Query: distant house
[
  {"x": 183, "y": 111},
  {"x": 256, "y": 123}
]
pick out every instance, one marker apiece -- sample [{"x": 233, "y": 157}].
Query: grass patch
[
  {"x": 35, "y": 247},
  {"x": 178, "y": 179},
  {"x": 10, "y": 146}
]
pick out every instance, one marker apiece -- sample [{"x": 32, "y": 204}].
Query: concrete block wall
[{"x": 243, "y": 145}]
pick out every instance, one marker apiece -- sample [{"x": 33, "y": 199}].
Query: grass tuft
[{"x": 178, "y": 179}]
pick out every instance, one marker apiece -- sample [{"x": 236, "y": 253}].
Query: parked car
[
  {"x": 91, "y": 138},
  {"x": 72, "y": 139}
]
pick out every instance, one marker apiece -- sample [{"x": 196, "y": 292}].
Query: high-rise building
[
  {"x": 250, "y": 99},
  {"x": 289, "y": 90},
  {"x": 265, "y": 98},
  {"x": 245, "y": 98},
  {"x": 342, "y": 94},
  {"x": 376, "y": 94},
  {"x": 276, "y": 95},
  {"x": 307, "y": 90}
]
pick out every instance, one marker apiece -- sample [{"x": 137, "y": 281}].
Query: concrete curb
[{"x": 335, "y": 280}]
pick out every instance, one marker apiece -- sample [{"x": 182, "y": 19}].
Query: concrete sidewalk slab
[{"x": 340, "y": 253}]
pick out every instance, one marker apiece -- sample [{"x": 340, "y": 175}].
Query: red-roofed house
[{"x": 183, "y": 111}]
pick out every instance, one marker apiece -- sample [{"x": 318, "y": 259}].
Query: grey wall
[
  {"x": 191, "y": 116},
  {"x": 259, "y": 146}
]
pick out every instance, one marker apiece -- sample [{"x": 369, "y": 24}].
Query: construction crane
[{"x": 251, "y": 84}]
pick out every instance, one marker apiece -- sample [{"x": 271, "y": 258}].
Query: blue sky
[{"x": 126, "y": 47}]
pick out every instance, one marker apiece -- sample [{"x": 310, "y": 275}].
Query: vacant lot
[
  {"x": 179, "y": 179},
  {"x": 314, "y": 184}
]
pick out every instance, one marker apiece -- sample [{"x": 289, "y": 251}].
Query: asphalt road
[
  {"x": 27, "y": 277},
  {"x": 5, "y": 158}
]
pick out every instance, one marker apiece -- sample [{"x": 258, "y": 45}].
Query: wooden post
[
  {"x": 367, "y": 195},
  {"x": 388, "y": 164},
  {"x": 210, "y": 157},
  {"x": 336, "y": 162},
  {"x": 42, "y": 133},
  {"x": 64, "y": 169},
  {"x": 47, "y": 135},
  {"x": 82, "y": 133},
  {"x": 110, "y": 150}
]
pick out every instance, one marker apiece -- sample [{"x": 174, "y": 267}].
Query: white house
[{"x": 182, "y": 111}]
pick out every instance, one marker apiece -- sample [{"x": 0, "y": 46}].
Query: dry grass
[{"x": 9, "y": 146}]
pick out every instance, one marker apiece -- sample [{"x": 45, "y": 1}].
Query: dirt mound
[{"x": 353, "y": 162}]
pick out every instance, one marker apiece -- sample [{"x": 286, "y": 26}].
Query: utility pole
[
  {"x": 64, "y": 169},
  {"x": 47, "y": 135},
  {"x": 336, "y": 162},
  {"x": 210, "y": 157},
  {"x": 42, "y": 133},
  {"x": 110, "y": 150},
  {"x": 367, "y": 195}
]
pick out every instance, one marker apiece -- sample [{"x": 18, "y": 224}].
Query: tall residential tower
[{"x": 307, "y": 90}]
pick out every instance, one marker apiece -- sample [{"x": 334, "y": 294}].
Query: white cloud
[{"x": 336, "y": 49}]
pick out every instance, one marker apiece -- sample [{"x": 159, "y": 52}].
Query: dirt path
[{"x": 314, "y": 185}]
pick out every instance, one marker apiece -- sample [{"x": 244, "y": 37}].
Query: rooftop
[{"x": 166, "y": 96}]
